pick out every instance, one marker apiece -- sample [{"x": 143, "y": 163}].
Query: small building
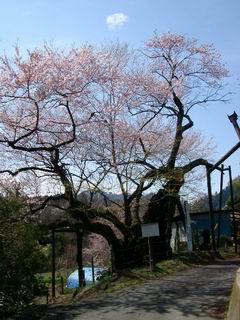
[{"x": 201, "y": 229}]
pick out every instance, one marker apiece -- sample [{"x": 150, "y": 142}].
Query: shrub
[{"x": 20, "y": 259}]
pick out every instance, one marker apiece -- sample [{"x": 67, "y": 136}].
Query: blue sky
[{"x": 65, "y": 22}]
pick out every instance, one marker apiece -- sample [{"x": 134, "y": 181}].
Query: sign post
[
  {"x": 150, "y": 230},
  {"x": 188, "y": 226},
  {"x": 150, "y": 255}
]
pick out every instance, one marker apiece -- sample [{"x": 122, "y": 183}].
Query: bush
[
  {"x": 20, "y": 259},
  {"x": 225, "y": 241}
]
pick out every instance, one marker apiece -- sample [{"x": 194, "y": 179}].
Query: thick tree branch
[
  {"x": 25, "y": 169},
  {"x": 195, "y": 163}
]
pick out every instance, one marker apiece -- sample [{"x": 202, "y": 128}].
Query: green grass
[{"x": 68, "y": 293}]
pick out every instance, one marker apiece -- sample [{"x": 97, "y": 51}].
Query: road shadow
[{"x": 197, "y": 292}]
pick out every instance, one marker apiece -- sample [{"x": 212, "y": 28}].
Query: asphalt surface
[{"x": 198, "y": 293}]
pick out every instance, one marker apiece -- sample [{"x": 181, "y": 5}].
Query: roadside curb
[{"x": 234, "y": 305}]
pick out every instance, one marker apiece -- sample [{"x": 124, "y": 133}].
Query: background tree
[{"x": 20, "y": 258}]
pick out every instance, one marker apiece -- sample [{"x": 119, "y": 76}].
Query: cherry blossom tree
[
  {"x": 108, "y": 119},
  {"x": 135, "y": 142}
]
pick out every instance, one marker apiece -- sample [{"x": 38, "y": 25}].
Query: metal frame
[
  {"x": 81, "y": 276},
  {"x": 233, "y": 118}
]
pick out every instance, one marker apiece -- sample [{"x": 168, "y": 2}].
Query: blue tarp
[{"x": 72, "y": 280}]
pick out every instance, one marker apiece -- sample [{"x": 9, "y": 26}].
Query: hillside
[{"x": 202, "y": 203}]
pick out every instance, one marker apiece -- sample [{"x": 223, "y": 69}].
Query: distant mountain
[
  {"x": 202, "y": 203},
  {"x": 99, "y": 196}
]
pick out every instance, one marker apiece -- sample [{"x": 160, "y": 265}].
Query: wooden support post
[
  {"x": 93, "y": 275},
  {"x": 62, "y": 286},
  {"x": 79, "y": 259},
  {"x": 150, "y": 254},
  {"x": 233, "y": 209},
  {"x": 211, "y": 209},
  {"x": 225, "y": 157},
  {"x": 220, "y": 207},
  {"x": 53, "y": 264}
]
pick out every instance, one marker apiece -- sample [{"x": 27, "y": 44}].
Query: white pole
[{"x": 188, "y": 226}]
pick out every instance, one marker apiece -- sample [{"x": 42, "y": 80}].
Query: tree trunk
[
  {"x": 130, "y": 255},
  {"x": 161, "y": 209}
]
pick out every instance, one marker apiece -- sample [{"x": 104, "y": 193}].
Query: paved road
[{"x": 199, "y": 293}]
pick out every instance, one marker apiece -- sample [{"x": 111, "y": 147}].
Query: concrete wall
[{"x": 234, "y": 305}]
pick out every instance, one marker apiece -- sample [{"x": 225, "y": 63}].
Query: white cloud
[{"x": 116, "y": 20}]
